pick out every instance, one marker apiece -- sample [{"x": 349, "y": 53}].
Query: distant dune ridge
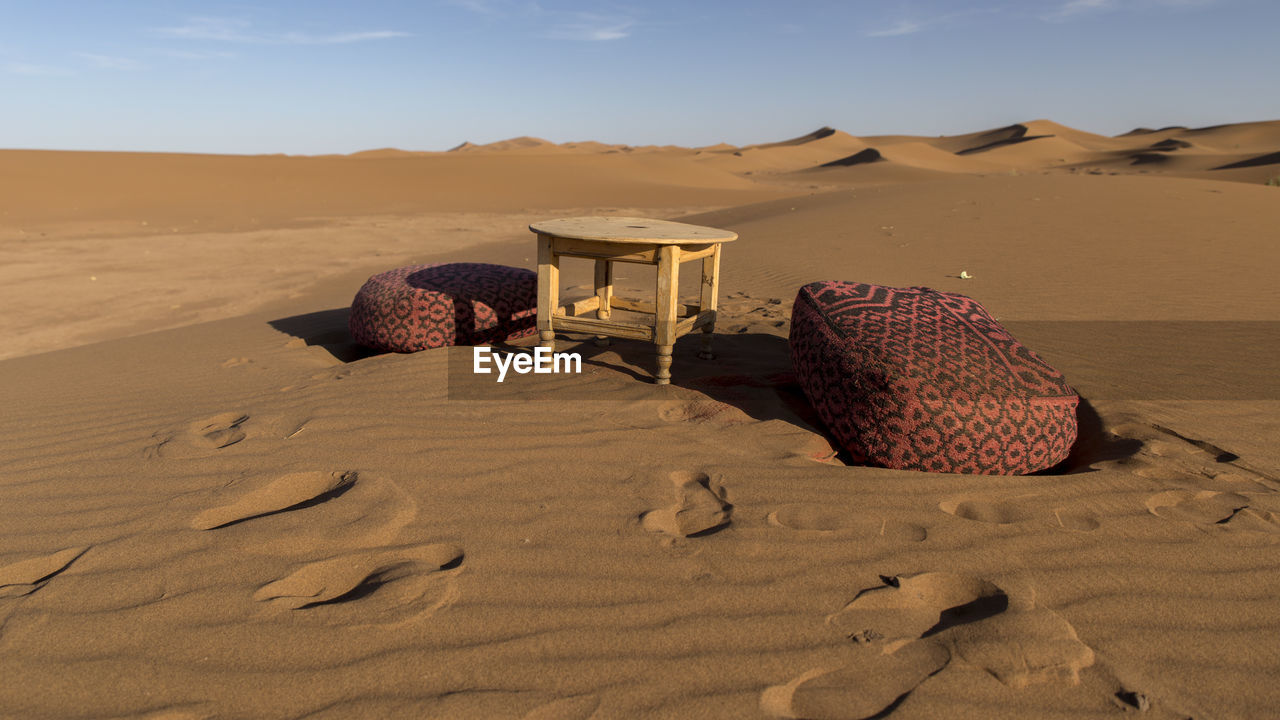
[
  {"x": 1033, "y": 145},
  {"x": 214, "y": 504},
  {"x": 178, "y": 189}
]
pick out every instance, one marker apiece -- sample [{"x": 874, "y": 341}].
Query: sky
[{"x": 317, "y": 76}]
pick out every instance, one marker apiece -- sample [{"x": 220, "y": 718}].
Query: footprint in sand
[
  {"x": 1024, "y": 647},
  {"x": 1170, "y": 456},
  {"x": 199, "y": 438},
  {"x": 1014, "y": 640},
  {"x": 870, "y": 686},
  {"x": 910, "y": 607},
  {"x": 284, "y": 493},
  {"x": 700, "y": 410},
  {"x": 828, "y": 519},
  {"x": 1209, "y": 507},
  {"x": 1007, "y": 513},
  {"x": 1076, "y": 520},
  {"x": 339, "y": 374},
  {"x": 1165, "y": 473},
  {"x": 997, "y": 512},
  {"x": 698, "y": 508},
  {"x": 1204, "y": 507},
  {"x": 1196, "y": 470},
  {"x": 26, "y": 576},
  {"x": 1165, "y": 449},
  {"x": 371, "y": 512},
  {"x": 391, "y": 583}
]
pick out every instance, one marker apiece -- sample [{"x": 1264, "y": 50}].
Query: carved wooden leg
[
  {"x": 705, "y": 353},
  {"x": 548, "y": 291},
  {"x": 664, "y": 365},
  {"x": 665, "y": 307},
  {"x": 710, "y": 293}
]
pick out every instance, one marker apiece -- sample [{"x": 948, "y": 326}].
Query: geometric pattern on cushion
[
  {"x": 430, "y": 306},
  {"x": 917, "y": 379}
]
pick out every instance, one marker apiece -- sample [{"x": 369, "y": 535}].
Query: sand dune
[
  {"x": 1186, "y": 159},
  {"x": 815, "y": 148},
  {"x": 1042, "y": 144},
  {"x": 1031, "y": 145},
  {"x": 1149, "y": 131},
  {"x": 1021, "y": 133},
  {"x": 925, "y": 234},
  {"x": 524, "y": 143},
  {"x": 1272, "y": 158},
  {"x": 988, "y": 139},
  {"x": 271, "y": 226},
  {"x": 245, "y": 515},
  {"x": 1044, "y": 151},
  {"x": 1169, "y": 144},
  {"x": 1247, "y": 137},
  {"x": 862, "y": 157},
  {"x": 589, "y": 146},
  {"x": 867, "y": 174},
  {"x": 56, "y": 205},
  {"x": 386, "y": 153},
  {"x": 112, "y": 191},
  {"x": 822, "y": 133},
  {"x": 918, "y": 155},
  {"x": 1087, "y": 140}
]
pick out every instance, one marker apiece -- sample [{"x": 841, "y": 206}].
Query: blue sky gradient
[{"x": 325, "y": 77}]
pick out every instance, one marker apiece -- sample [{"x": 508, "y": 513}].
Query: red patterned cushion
[
  {"x": 916, "y": 379},
  {"x": 429, "y": 306}
]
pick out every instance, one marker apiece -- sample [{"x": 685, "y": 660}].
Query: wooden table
[{"x": 607, "y": 240}]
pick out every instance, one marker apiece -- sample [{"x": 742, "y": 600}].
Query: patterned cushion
[
  {"x": 918, "y": 379},
  {"x": 429, "y": 306}
]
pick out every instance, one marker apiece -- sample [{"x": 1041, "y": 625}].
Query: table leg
[
  {"x": 604, "y": 292},
  {"x": 548, "y": 290},
  {"x": 710, "y": 293},
  {"x": 666, "y": 302}
]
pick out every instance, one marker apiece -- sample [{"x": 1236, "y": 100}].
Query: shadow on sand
[
  {"x": 752, "y": 372},
  {"x": 326, "y": 329}
]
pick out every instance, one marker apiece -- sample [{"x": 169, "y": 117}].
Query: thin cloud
[
  {"x": 33, "y": 70},
  {"x": 111, "y": 62},
  {"x": 1079, "y": 7},
  {"x": 193, "y": 54},
  {"x": 480, "y": 7},
  {"x": 295, "y": 38},
  {"x": 234, "y": 30},
  {"x": 912, "y": 26},
  {"x": 904, "y": 27},
  {"x": 499, "y": 8},
  {"x": 553, "y": 24},
  {"x": 592, "y": 28},
  {"x": 1183, "y": 4},
  {"x": 210, "y": 28}
]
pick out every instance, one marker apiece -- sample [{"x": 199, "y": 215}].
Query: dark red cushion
[
  {"x": 429, "y": 306},
  {"x": 917, "y": 379}
]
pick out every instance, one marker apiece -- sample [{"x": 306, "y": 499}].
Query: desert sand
[{"x": 214, "y": 505}]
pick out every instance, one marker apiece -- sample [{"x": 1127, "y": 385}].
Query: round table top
[{"x": 632, "y": 230}]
